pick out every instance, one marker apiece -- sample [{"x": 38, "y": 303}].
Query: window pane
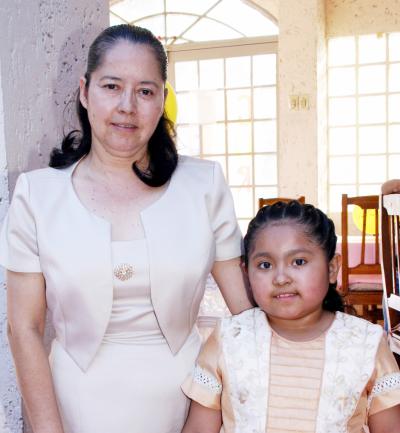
[
  {"x": 191, "y": 113},
  {"x": 394, "y": 47},
  {"x": 246, "y": 19},
  {"x": 394, "y": 164},
  {"x": 264, "y": 69},
  {"x": 238, "y": 104},
  {"x": 394, "y": 77},
  {"x": 131, "y": 10},
  {"x": 243, "y": 225},
  {"x": 394, "y": 108},
  {"x": 264, "y": 103},
  {"x": 186, "y": 76},
  {"x": 394, "y": 139},
  {"x": 372, "y": 79},
  {"x": 189, "y": 6},
  {"x": 371, "y": 48},
  {"x": 211, "y": 106},
  {"x": 342, "y": 141},
  {"x": 342, "y": 111},
  {"x": 114, "y": 20},
  {"x": 372, "y": 139},
  {"x": 264, "y": 192},
  {"x": 372, "y": 109},
  {"x": 238, "y": 72},
  {"x": 155, "y": 24},
  {"x": 342, "y": 170},
  {"x": 212, "y": 74},
  {"x": 372, "y": 169},
  {"x": 369, "y": 189},
  {"x": 265, "y": 167},
  {"x": 213, "y": 138},
  {"x": 342, "y": 51},
  {"x": 177, "y": 24},
  {"x": 342, "y": 81},
  {"x": 240, "y": 170},
  {"x": 188, "y": 140},
  {"x": 335, "y": 196},
  {"x": 209, "y": 30},
  {"x": 239, "y": 137},
  {"x": 243, "y": 199},
  {"x": 265, "y": 136}
]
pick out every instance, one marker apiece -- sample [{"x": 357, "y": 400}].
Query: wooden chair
[
  {"x": 362, "y": 283},
  {"x": 269, "y": 201},
  {"x": 390, "y": 262}
]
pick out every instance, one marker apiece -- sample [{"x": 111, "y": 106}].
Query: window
[
  {"x": 227, "y": 113},
  {"x": 363, "y": 114}
]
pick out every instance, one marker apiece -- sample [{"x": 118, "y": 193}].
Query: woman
[{"x": 116, "y": 241}]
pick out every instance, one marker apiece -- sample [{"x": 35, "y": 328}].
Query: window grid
[
  {"x": 360, "y": 185},
  {"x": 248, "y": 186}
]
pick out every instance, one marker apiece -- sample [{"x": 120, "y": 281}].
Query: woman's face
[{"x": 124, "y": 100}]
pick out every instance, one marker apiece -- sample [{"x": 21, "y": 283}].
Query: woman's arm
[
  {"x": 202, "y": 419},
  {"x": 232, "y": 282},
  {"x": 26, "y": 309},
  {"x": 391, "y": 186},
  {"x": 386, "y": 421}
]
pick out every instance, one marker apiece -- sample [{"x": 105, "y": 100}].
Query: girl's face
[
  {"x": 289, "y": 274},
  {"x": 124, "y": 100}
]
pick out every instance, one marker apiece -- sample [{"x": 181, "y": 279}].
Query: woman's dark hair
[
  {"x": 317, "y": 226},
  {"x": 163, "y": 156}
]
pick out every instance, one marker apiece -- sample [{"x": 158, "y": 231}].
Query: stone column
[
  {"x": 302, "y": 71},
  {"x": 42, "y": 54}
]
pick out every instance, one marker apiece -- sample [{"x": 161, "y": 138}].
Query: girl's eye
[
  {"x": 264, "y": 265},
  {"x": 299, "y": 262}
]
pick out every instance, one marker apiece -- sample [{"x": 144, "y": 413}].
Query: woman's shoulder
[{"x": 44, "y": 174}]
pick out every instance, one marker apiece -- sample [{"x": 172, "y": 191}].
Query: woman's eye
[
  {"x": 146, "y": 92},
  {"x": 264, "y": 265},
  {"x": 110, "y": 86},
  {"x": 299, "y": 262}
]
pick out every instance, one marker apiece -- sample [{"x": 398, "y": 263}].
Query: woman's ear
[
  {"x": 83, "y": 91},
  {"x": 333, "y": 268}
]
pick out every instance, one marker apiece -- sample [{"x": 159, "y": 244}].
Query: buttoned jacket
[{"x": 49, "y": 230}]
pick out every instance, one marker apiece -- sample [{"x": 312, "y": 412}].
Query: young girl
[{"x": 297, "y": 363}]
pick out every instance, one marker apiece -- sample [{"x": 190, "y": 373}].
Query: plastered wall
[{"x": 42, "y": 54}]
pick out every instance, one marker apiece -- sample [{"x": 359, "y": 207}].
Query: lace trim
[
  {"x": 384, "y": 384},
  {"x": 202, "y": 377}
]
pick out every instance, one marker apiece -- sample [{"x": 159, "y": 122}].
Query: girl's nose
[
  {"x": 281, "y": 277},
  {"x": 127, "y": 103}
]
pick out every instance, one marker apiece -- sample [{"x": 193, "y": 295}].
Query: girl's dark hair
[
  {"x": 317, "y": 226},
  {"x": 163, "y": 156}
]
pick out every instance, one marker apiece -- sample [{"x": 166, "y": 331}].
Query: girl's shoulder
[{"x": 348, "y": 321}]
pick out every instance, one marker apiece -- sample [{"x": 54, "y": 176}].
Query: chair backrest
[
  {"x": 270, "y": 201},
  {"x": 390, "y": 262},
  {"x": 369, "y": 202}
]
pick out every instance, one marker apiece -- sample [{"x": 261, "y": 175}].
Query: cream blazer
[{"x": 48, "y": 230}]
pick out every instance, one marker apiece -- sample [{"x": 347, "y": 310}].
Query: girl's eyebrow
[{"x": 288, "y": 253}]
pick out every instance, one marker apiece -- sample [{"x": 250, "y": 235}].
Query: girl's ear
[
  {"x": 333, "y": 268},
  {"x": 243, "y": 266}
]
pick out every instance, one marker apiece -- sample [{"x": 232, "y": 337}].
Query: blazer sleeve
[
  {"x": 228, "y": 237},
  {"x": 18, "y": 240}
]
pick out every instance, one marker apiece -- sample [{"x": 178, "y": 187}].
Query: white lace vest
[{"x": 351, "y": 345}]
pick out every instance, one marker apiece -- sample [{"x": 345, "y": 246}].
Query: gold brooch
[{"x": 124, "y": 271}]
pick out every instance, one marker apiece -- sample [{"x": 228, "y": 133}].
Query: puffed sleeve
[
  {"x": 223, "y": 219},
  {"x": 385, "y": 390},
  {"x": 204, "y": 384},
  {"x": 18, "y": 241}
]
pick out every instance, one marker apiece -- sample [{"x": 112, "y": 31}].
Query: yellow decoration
[
  {"x": 171, "y": 106},
  {"x": 358, "y": 215}
]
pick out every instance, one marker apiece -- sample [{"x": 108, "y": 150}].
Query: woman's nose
[{"x": 127, "y": 103}]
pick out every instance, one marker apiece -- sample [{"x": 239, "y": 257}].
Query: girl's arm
[
  {"x": 202, "y": 419},
  {"x": 26, "y": 308},
  {"x": 386, "y": 421},
  {"x": 232, "y": 282}
]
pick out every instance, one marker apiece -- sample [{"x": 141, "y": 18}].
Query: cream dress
[{"x": 133, "y": 384}]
